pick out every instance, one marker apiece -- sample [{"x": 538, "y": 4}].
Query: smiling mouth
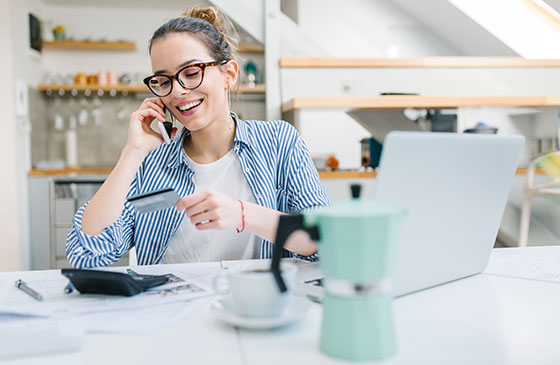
[{"x": 189, "y": 106}]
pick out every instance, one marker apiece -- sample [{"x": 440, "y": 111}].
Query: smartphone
[{"x": 166, "y": 127}]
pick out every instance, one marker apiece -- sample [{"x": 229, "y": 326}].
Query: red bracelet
[{"x": 242, "y": 218}]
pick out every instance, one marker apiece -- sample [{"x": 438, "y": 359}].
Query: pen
[
  {"x": 69, "y": 288},
  {"x": 21, "y": 285}
]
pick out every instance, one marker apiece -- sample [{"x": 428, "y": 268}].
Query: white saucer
[{"x": 295, "y": 309}]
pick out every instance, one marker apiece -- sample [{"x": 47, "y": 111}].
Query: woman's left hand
[{"x": 210, "y": 209}]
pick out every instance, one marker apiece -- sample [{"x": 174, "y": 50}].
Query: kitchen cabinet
[{"x": 54, "y": 201}]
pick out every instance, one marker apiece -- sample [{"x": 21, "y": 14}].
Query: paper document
[
  {"x": 30, "y": 336},
  {"x": 524, "y": 267},
  {"x": 61, "y": 313},
  {"x": 145, "y": 320},
  {"x": 57, "y": 303}
]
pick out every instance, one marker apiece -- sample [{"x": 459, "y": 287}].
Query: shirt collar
[
  {"x": 176, "y": 157},
  {"x": 241, "y": 132}
]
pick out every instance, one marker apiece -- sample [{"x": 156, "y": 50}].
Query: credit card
[{"x": 154, "y": 200}]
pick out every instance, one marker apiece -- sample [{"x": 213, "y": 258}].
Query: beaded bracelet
[{"x": 242, "y": 218}]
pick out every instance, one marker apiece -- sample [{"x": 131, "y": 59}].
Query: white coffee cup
[{"x": 254, "y": 292}]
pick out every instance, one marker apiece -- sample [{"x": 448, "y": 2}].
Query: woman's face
[{"x": 197, "y": 108}]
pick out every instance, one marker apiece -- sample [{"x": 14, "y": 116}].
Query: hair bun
[{"x": 210, "y": 14}]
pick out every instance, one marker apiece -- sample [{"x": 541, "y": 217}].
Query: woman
[{"x": 236, "y": 177}]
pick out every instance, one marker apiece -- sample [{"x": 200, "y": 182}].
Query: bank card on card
[{"x": 154, "y": 200}]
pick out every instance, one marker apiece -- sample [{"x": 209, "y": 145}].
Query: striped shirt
[{"x": 275, "y": 162}]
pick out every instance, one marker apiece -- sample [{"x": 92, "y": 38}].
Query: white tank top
[{"x": 191, "y": 245}]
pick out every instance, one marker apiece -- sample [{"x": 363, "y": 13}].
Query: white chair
[{"x": 550, "y": 187}]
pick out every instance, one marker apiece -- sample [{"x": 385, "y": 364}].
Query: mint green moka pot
[{"x": 357, "y": 243}]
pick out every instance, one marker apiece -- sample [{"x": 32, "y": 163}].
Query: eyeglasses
[{"x": 189, "y": 77}]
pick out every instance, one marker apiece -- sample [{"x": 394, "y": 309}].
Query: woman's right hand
[{"x": 141, "y": 137}]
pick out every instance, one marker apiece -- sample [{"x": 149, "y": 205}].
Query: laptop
[{"x": 455, "y": 188}]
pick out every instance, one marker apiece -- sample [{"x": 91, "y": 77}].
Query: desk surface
[{"x": 482, "y": 319}]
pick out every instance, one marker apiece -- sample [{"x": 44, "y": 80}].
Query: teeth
[{"x": 190, "y": 105}]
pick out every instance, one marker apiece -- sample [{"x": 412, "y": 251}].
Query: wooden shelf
[
  {"x": 346, "y": 174},
  {"x": 425, "y": 62},
  {"x": 523, "y": 171},
  {"x": 258, "y": 89},
  {"x": 91, "y": 45},
  {"x": 350, "y": 174},
  {"x": 250, "y": 48},
  {"x": 118, "y": 88},
  {"x": 72, "y": 171},
  {"x": 323, "y": 174},
  {"x": 418, "y": 101}
]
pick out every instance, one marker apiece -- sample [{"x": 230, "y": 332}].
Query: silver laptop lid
[{"x": 455, "y": 188}]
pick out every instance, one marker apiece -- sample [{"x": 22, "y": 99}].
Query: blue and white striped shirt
[{"x": 275, "y": 162}]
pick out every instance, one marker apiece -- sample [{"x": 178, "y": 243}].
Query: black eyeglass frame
[{"x": 202, "y": 67}]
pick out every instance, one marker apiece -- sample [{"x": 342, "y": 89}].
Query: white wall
[
  {"x": 332, "y": 133},
  {"x": 25, "y": 70},
  {"x": 368, "y": 28},
  {"x": 547, "y": 123},
  {"x": 9, "y": 208}
]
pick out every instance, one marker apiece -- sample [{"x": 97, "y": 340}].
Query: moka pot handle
[{"x": 287, "y": 225}]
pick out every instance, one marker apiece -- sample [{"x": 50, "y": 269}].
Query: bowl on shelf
[{"x": 482, "y": 128}]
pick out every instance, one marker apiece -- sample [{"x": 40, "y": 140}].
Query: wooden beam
[
  {"x": 424, "y": 62},
  {"x": 250, "y": 48},
  {"x": 417, "y": 101},
  {"x": 542, "y": 13}
]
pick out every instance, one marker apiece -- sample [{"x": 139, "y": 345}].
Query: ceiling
[
  {"x": 554, "y": 4},
  {"x": 453, "y": 26}
]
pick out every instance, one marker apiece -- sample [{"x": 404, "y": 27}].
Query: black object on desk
[{"x": 112, "y": 283}]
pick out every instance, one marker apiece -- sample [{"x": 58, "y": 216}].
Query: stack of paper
[
  {"x": 63, "y": 317},
  {"x": 524, "y": 267}
]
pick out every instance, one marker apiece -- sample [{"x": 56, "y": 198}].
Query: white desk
[{"x": 478, "y": 320}]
